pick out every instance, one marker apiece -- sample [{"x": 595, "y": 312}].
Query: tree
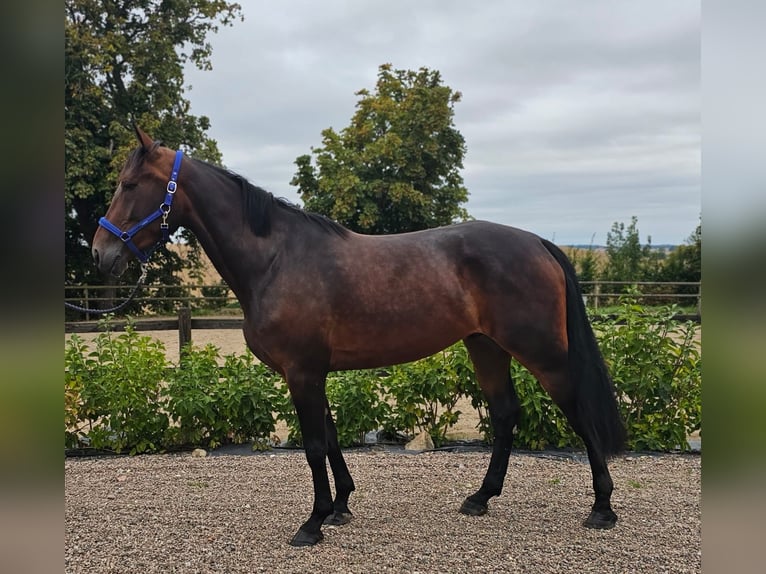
[
  {"x": 396, "y": 167},
  {"x": 627, "y": 259},
  {"x": 124, "y": 63},
  {"x": 588, "y": 267},
  {"x": 684, "y": 263},
  {"x": 586, "y": 264}
]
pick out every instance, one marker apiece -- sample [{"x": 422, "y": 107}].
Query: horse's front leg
[{"x": 308, "y": 394}]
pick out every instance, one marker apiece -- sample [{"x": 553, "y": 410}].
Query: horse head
[{"x": 134, "y": 225}]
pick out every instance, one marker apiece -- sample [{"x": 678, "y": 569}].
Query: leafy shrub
[
  {"x": 424, "y": 394},
  {"x": 656, "y": 367},
  {"x": 214, "y": 405},
  {"x": 355, "y": 400},
  {"x": 541, "y": 423},
  {"x": 249, "y": 397},
  {"x": 461, "y": 369},
  {"x": 75, "y": 374},
  {"x": 192, "y": 398},
  {"x": 114, "y": 392},
  {"x": 124, "y": 396}
]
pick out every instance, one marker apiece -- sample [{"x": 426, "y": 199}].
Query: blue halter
[{"x": 162, "y": 211}]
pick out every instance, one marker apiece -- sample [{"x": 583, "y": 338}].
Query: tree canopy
[
  {"x": 396, "y": 167},
  {"x": 684, "y": 263},
  {"x": 124, "y": 63},
  {"x": 628, "y": 260}
]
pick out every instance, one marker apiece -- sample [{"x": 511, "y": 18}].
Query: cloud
[{"x": 582, "y": 113}]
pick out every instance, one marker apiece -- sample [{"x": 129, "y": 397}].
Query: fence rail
[{"x": 595, "y": 296}]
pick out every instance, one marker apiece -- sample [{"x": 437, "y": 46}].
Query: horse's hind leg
[
  {"x": 601, "y": 515},
  {"x": 557, "y": 382},
  {"x": 492, "y": 367},
  {"x": 344, "y": 484}
]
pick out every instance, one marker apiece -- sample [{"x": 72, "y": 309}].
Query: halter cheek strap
[{"x": 162, "y": 212}]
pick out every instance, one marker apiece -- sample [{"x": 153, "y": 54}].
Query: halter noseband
[{"x": 162, "y": 211}]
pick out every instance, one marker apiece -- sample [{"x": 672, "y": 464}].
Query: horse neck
[{"x": 216, "y": 218}]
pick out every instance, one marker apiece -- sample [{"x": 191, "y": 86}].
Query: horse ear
[{"x": 144, "y": 139}]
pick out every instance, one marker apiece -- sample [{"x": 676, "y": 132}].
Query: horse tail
[{"x": 597, "y": 413}]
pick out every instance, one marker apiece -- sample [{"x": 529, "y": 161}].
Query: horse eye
[{"x": 128, "y": 185}]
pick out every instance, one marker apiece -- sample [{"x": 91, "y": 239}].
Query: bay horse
[{"x": 318, "y": 297}]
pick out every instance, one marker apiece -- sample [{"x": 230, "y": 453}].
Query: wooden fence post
[{"x": 184, "y": 328}]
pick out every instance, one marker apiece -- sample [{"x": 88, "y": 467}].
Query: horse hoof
[
  {"x": 303, "y": 538},
  {"x": 471, "y": 508},
  {"x": 338, "y": 518},
  {"x": 601, "y": 519}
]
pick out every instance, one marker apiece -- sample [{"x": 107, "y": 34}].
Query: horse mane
[{"x": 259, "y": 206}]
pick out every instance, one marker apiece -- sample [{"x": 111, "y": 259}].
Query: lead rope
[{"x": 119, "y": 307}]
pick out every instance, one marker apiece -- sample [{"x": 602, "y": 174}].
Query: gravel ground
[{"x": 229, "y": 513}]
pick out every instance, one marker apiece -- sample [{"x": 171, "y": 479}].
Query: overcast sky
[{"x": 575, "y": 114}]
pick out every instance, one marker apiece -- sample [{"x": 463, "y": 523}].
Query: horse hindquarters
[{"x": 548, "y": 331}]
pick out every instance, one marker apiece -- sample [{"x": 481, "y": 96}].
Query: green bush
[
  {"x": 655, "y": 363},
  {"x": 656, "y": 366},
  {"x": 192, "y": 400},
  {"x": 424, "y": 394},
  {"x": 75, "y": 374},
  {"x": 113, "y": 397},
  {"x": 249, "y": 397},
  {"x": 213, "y": 405},
  {"x": 124, "y": 396},
  {"x": 541, "y": 423},
  {"x": 356, "y": 402}
]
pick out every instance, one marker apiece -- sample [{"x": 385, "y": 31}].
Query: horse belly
[{"x": 375, "y": 340}]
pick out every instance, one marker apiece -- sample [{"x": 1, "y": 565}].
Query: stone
[
  {"x": 421, "y": 442},
  {"x": 199, "y": 453}
]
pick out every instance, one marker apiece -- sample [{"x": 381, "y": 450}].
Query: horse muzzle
[{"x": 110, "y": 259}]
